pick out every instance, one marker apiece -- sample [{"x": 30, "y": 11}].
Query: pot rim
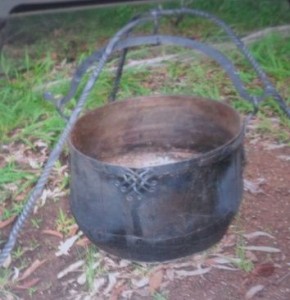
[{"x": 202, "y": 159}]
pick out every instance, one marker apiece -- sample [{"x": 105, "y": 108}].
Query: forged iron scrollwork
[{"x": 136, "y": 182}]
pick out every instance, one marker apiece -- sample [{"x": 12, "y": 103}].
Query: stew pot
[
  {"x": 153, "y": 178},
  {"x": 157, "y": 178}
]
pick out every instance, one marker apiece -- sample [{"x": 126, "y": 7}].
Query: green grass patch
[
  {"x": 66, "y": 36},
  {"x": 39, "y": 60},
  {"x": 21, "y": 180},
  {"x": 92, "y": 268},
  {"x": 64, "y": 222},
  {"x": 244, "y": 264}
]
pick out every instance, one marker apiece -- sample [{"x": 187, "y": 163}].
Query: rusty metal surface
[{"x": 161, "y": 212}]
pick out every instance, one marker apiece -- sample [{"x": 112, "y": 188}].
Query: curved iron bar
[
  {"x": 223, "y": 61},
  {"x": 269, "y": 89},
  {"x": 120, "y": 67},
  {"x": 54, "y": 155},
  {"x": 122, "y": 60},
  {"x": 102, "y": 56}
]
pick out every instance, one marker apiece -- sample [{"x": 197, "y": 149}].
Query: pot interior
[{"x": 155, "y": 130}]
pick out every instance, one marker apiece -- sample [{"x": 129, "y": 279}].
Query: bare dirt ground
[
  {"x": 266, "y": 211},
  {"x": 251, "y": 262}
]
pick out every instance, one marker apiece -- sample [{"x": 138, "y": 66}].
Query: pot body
[{"x": 167, "y": 210}]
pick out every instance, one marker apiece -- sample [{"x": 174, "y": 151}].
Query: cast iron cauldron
[
  {"x": 153, "y": 178},
  {"x": 156, "y": 178}
]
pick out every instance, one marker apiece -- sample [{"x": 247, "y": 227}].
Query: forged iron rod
[
  {"x": 269, "y": 89},
  {"x": 8, "y": 247},
  {"x": 102, "y": 56}
]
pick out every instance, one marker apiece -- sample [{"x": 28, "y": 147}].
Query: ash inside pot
[{"x": 148, "y": 158}]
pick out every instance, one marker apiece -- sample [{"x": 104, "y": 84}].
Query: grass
[
  {"x": 45, "y": 60},
  {"x": 5, "y": 284},
  {"x": 22, "y": 106},
  {"x": 18, "y": 252},
  {"x": 4, "y": 277},
  {"x": 159, "y": 296},
  {"x": 31, "y": 291},
  {"x": 91, "y": 270},
  {"x": 25, "y": 117},
  {"x": 244, "y": 264},
  {"x": 74, "y": 32},
  {"x": 13, "y": 182},
  {"x": 36, "y": 222},
  {"x": 63, "y": 222}
]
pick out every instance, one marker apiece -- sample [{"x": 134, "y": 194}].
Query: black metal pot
[
  {"x": 153, "y": 178},
  {"x": 157, "y": 178}
]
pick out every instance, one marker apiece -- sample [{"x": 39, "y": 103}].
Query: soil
[{"x": 265, "y": 209}]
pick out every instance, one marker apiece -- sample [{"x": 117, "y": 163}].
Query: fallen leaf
[
  {"x": 265, "y": 269},
  {"x": 187, "y": 264},
  {"x": 274, "y": 146},
  {"x": 7, "y": 222},
  {"x": 96, "y": 264},
  {"x": 28, "y": 284},
  {"x": 64, "y": 247},
  {"x": 262, "y": 249},
  {"x": 218, "y": 260},
  {"x": 117, "y": 291},
  {"x": 143, "y": 293},
  {"x": 48, "y": 194},
  {"x": 81, "y": 280},
  {"x": 228, "y": 241},
  {"x": 225, "y": 268},
  {"x": 283, "y": 278},
  {"x": 71, "y": 268},
  {"x": 98, "y": 283},
  {"x": 6, "y": 295},
  {"x": 123, "y": 263},
  {"x": 42, "y": 200},
  {"x": 84, "y": 242},
  {"x": 256, "y": 234},
  {"x": 112, "y": 280},
  {"x": 11, "y": 187},
  {"x": 53, "y": 232},
  {"x": 110, "y": 263},
  {"x": 16, "y": 273},
  {"x": 254, "y": 291},
  {"x": 73, "y": 229},
  {"x": 127, "y": 294},
  {"x": 141, "y": 282},
  {"x": 253, "y": 187},
  {"x": 7, "y": 262},
  {"x": 32, "y": 268},
  {"x": 197, "y": 272},
  {"x": 170, "y": 274},
  {"x": 284, "y": 157},
  {"x": 40, "y": 144},
  {"x": 155, "y": 280},
  {"x": 251, "y": 256},
  {"x": 33, "y": 163},
  {"x": 222, "y": 260}
]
